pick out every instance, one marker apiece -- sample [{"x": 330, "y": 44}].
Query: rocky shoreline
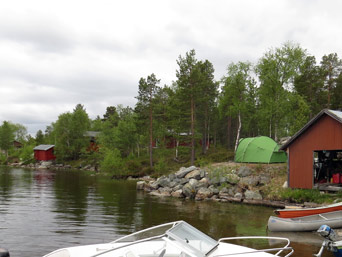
[
  {"x": 242, "y": 185},
  {"x": 52, "y": 166}
]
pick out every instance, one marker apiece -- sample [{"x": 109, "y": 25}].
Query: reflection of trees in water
[
  {"x": 71, "y": 192},
  {"x": 215, "y": 219},
  {"x": 119, "y": 203},
  {"x": 6, "y": 183}
]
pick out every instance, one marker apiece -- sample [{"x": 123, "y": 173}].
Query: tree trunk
[
  {"x": 151, "y": 138},
  {"x": 177, "y": 144},
  {"x": 238, "y": 133},
  {"x": 192, "y": 131},
  {"x": 208, "y": 137},
  {"x": 204, "y": 137},
  {"x": 270, "y": 127}
]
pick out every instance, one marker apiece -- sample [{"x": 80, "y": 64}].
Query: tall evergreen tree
[
  {"x": 336, "y": 99},
  {"x": 206, "y": 100},
  {"x": 188, "y": 82},
  {"x": 39, "y": 137},
  {"x": 146, "y": 101},
  {"x": 331, "y": 66},
  {"x": 309, "y": 85}
]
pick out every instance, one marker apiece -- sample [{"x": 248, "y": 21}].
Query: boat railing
[
  {"x": 170, "y": 224},
  {"x": 279, "y": 250}
]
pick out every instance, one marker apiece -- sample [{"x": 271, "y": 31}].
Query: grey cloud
[{"x": 42, "y": 35}]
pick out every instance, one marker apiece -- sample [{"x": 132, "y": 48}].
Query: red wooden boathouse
[
  {"x": 44, "y": 153},
  {"x": 315, "y": 152}
]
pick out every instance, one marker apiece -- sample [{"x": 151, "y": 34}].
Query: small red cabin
[{"x": 44, "y": 153}]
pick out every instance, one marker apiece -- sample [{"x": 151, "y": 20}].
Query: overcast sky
[{"x": 56, "y": 54}]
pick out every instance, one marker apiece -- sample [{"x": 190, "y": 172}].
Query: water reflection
[
  {"x": 6, "y": 184},
  {"x": 44, "y": 210}
]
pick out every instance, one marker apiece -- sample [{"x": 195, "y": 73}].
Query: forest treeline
[{"x": 274, "y": 97}]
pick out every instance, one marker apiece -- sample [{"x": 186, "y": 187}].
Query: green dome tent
[{"x": 259, "y": 150}]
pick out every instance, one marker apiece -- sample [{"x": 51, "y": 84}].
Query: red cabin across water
[{"x": 44, "y": 153}]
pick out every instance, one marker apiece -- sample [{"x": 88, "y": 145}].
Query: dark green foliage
[
  {"x": 69, "y": 132},
  {"x": 112, "y": 163},
  {"x": 133, "y": 166},
  {"x": 6, "y": 137},
  {"x": 26, "y": 153},
  {"x": 305, "y": 195},
  {"x": 39, "y": 137}
]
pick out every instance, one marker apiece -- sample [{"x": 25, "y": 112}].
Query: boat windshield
[
  {"x": 189, "y": 237},
  {"x": 146, "y": 233}
]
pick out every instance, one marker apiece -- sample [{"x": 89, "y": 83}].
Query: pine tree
[{"x": 146, "y": 100}]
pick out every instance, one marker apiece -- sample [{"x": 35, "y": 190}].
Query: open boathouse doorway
[{"x": 327, "y": 170}]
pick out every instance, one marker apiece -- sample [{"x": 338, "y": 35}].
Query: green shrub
[
  {"x": 220, "y": 155},
  {"x": 112, "y": 162},
  {"x": 133, "y": 166},
  {"x": 304, "y": 195},
  {"x": 26, "y": 153},
  {"x": 3, "y": 158},
  {"x": 202, "y": 162},
  {"x": 161, "y": 167},
  {"x": 146, "y": 171}
]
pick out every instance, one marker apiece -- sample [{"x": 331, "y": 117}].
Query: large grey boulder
[
  {"x": 249, "y": 181},
  {"x": 233, "y": 179},
  {"x": 204, "y": 182},
  {"x": 264, "y": 179},
  {"x": 195, "y": 174},
  {"x": 141, "y": 185},
  {"x": 177, "y": 187},
  {"x": 213, "y": 189},
  {"x": 189, "y": 191},
  {"x": 183, "y": 181},
  {"x": 154, "y": 185},
  {"x": 238, "y": 196},
  {"x": 163, "y": 181},
  {"x": 244, "y": 171},
  {"x": 172, "y": 177},
  {"x": 193, "y": 182},
  {"x": 203, "y": 173},
  {"x": 203, "y": 193},
  {"x": 165, "y": 191},
  {"x": 172, "y": 184},
  {"x": 253, "y": 195},
  {"x": 184, "y": 171},
  {"x": 178, "y": 194}
]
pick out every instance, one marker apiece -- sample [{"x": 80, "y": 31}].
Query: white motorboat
[{"x": 175, "y": 239}]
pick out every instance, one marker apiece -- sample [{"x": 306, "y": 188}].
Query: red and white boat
[{"x": 300, "y": 212}]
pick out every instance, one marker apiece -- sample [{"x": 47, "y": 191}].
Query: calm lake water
[{"x": 41, "y": 211}]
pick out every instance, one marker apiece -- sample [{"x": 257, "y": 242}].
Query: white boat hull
[{"x": 178, "y": 239}]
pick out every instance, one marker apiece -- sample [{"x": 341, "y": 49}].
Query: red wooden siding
[
  {"x": 324, "y": 134},
  {"x": 41, "y": 155}
]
